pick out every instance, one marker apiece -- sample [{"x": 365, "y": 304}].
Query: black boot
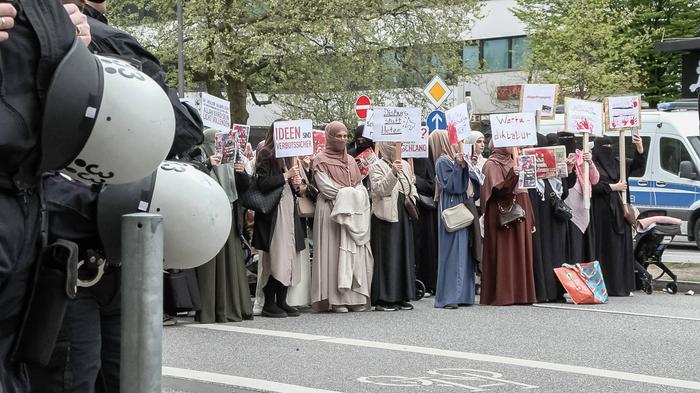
[
  {"x": 282, "y": 300},
  {"x": 270, "y": 309}
]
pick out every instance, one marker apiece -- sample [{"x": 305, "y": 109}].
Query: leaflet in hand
[
  {"x": 528, "y": 171},
  {"x": 226, "y": 145},
  {"x": 365, "y": 160}
]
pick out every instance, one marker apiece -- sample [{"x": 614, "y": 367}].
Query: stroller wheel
[
  {"x": 648, "y": 289},
  {"x": 672, "y": 288},
  {"x": 420, "y": 289}
]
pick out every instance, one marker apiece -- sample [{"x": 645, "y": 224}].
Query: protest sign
[
  {"x": 583, "y": 116},
  {"x": 468, "y": 150},
  {"x": 226, "y": 145},
  {"x": 528, "y": 171},
  {"x": 365, "y": 160},
  {"x": 541, "y": 98},
  {"x": 319, "y": 141},
  {"x": 369, "y": 124},
  {"x": 416, "y": 150},
  {"x": 395, "y": 124},
  {"x": 623, "y": 113},
  {"x": 215, "y": 112},
  {"x": 551, "y": 161},
  {"x": 513, "y": 129},
  {"x": 458, "y": 119},
  {"x": 293, "y": 138},
  {"x": 243, "y": 133}
]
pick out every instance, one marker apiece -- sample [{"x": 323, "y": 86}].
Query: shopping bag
[{"x": 583, "y": 282}]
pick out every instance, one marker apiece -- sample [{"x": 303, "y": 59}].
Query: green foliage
[
  {"x": 324, "y": 52},
  {"x": 583, "y": 45},
  {"x": 656, "y": 20}
]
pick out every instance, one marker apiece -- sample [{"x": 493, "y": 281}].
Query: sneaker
[
  {"x": 404, "y": 306},
  {"x": 451, "y": 307},
  {"x": 379, "y": 307},
  {"x": 340, "y": 309},
  {"x": 169, "y": 320}
]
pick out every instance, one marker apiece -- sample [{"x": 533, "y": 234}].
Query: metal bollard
[{"x": 142, "y": 303}]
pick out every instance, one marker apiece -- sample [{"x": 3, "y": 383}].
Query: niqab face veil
[{"x": 334, "y": 160}]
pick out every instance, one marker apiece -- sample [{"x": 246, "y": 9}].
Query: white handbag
[
  {"x": 457, "y": 217},
  {"x": 306, "y": 207}
]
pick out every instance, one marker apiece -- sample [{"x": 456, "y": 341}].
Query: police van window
[
  {"x": 695, "y": 142},
  {"x": 672, "y": 152}
]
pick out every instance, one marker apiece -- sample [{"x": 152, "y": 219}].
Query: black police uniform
[
  {"x": 42, "y": 35},
  {"x": 86, "y": 357}
]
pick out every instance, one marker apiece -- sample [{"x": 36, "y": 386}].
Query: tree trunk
[{"x": 237, "y": 93}]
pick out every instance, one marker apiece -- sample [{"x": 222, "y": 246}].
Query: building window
[
  {"x": 496, "y": 54},
  {"x": 470, "y": 57},
  {"x": 517, "y": 52}
]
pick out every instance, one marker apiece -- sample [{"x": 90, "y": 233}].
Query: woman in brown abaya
[{"x": 507, "y": 275}]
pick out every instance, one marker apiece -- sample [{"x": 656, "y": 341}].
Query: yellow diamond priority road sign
[{"x": 437, "y": 91}]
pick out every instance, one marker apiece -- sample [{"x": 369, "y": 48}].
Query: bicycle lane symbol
[{"x": 479, "y": 380}]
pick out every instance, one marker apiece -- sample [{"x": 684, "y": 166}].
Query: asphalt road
[
  {"x": 645, "y": 343},
  {"x": 682, "y": 252}
]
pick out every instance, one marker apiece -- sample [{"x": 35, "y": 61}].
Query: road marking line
[
  {"x": 616, "y": 312},
  {"x": 621, "y": 375},
  {"x": 232, "y": 380},
  {"x": 227, "y": 328}
]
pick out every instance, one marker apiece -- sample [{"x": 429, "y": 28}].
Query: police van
[{"x": 671, "y": 179}]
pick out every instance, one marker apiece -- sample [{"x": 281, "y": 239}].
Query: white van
[{"x": 671, "y": 179}]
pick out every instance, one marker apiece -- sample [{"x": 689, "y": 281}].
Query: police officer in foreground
[
  {"x": 86, "y": 355},
  {"x": 35, "y": 35}
]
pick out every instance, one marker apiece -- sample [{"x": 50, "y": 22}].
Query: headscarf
[
  {"x": 473, "y": 137},
  {"x": 542, "y": 140},
  {"x": 604, "y": 158},
  {"x": 334, "y": 160},
  {"x": 362, "y": 143},
  {"x": 440, "y": 146},
  {"x": 223, "y": 174},
  {"x": 568, "y": 140},
  {"x": 501, "y": 159},
  {"x": 266, "y": 151},
  {"x": 387, "y": 151}
]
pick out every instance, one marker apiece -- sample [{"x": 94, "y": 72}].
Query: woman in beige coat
[
  {"x": 334, "y": 170},
  {"x": 394, "y": 280}
]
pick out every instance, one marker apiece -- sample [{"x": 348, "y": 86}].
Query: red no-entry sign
[{"x": 361, "y": 105}]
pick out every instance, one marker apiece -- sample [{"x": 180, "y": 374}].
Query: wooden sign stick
[
  {"x": 398, "y": 151},
  {"x": 586, "y": 174},
  {"x": 623, "y": 165}
]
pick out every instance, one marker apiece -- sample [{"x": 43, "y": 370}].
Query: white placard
[
  {"x": 461, "y": 118},
  {"x": 623, "y": 113},
  {"x": 214, "y": 111},
  {"x": 513, "y": 129},
  {"x": 419, "y": 149},
  {"x": 369, "y": 124},
  {"x": 468, "y": 150},
  {"x": 541, "y": 98},
  {"x": 583, "y": 116},
  {"x": 294, "y": 138},
  {"x": 396, "y": 124}
]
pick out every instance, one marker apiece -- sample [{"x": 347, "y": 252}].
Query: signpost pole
[
  {"x": 586, "y": 174},
  {"x": 623, "y": 165}
]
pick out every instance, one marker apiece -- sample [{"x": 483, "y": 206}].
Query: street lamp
[{"x": 180, "y": 51}]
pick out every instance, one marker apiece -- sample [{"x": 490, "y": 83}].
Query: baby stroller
[{"x": 655, "y": 231}]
